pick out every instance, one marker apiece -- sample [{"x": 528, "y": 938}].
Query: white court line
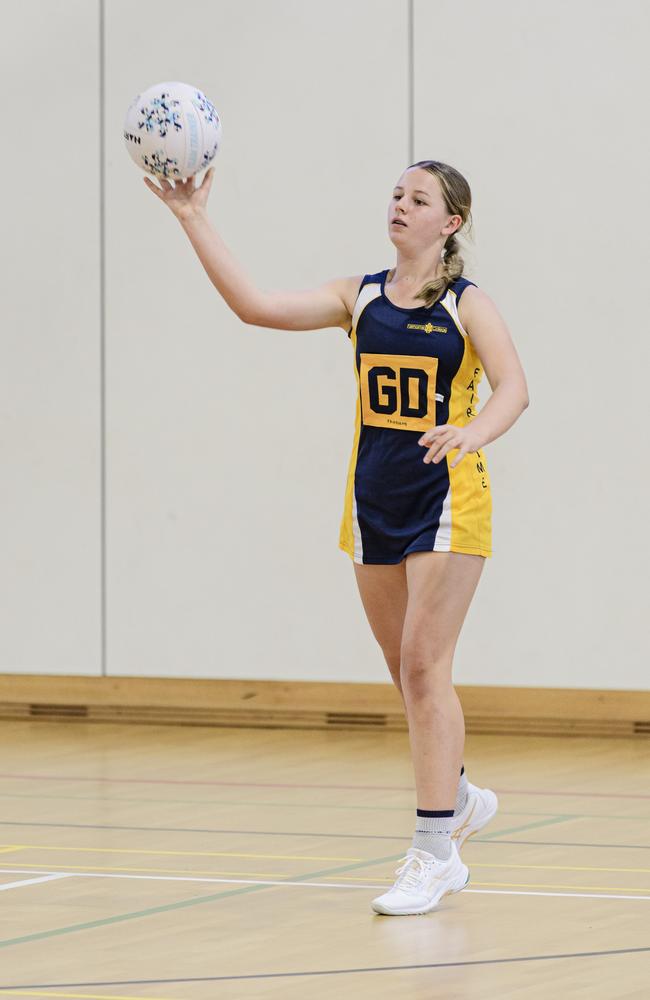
[
  {"x": 579, "y": 895},
  {"x": 317, "y": 885},
  {"x": 32, "y": 881}
]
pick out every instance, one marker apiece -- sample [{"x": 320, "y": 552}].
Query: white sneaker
[
  {"x": 422, "y": 881},
  {"x": 479, "y": 809}
]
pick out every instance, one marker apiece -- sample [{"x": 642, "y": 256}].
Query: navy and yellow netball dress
[{"x": 415, "y": 369}]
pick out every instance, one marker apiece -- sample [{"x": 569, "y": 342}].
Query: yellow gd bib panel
[{"x": 398, "y": 390}]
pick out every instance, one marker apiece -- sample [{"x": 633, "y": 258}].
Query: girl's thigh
[
  {"x": 440, "y": 589},
  {"x": 384, "y": 595}
]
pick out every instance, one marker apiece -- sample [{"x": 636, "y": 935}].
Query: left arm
[{"x": 489, "y": 334}]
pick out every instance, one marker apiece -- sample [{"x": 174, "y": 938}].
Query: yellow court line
[
  {"x": 132, "y": 869},
  {"x": 283, "y": 857},
  {"x": 565, "y": 868},
  {"x": 237, "y": 876},
  {"x": 190, "y": 872},
  {"x": 226, "y": 873},
  {"x": 191, "y": 854}
]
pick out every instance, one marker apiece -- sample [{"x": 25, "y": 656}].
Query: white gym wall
[{"x": 172, "y": 479}]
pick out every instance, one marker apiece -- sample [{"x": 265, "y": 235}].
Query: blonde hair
[{"x": 458, "y": 200}]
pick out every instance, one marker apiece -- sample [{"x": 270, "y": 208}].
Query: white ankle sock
[{"x": 433, "y": 831}]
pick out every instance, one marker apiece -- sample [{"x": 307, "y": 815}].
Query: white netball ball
[{"x": 172, "y": 130}]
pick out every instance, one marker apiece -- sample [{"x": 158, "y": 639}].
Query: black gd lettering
[{"x": 389, "y": 392}]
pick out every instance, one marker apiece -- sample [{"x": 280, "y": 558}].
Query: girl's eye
[{"x": 418, "y": 200}]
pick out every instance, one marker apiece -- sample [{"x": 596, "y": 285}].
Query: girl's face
[{"x": 418, "y": 203}]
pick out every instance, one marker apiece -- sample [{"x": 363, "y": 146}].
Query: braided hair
[{"x": 458, "y": 200}]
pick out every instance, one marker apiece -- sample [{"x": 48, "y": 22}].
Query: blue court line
[
  {"x": 255, "y": 804},
  {"x": 340, "y": 972}
]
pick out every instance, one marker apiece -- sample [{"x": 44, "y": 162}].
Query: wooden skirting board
[{"x": 315, "y": 705}]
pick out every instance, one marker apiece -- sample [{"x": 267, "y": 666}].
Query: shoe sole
[{"x": 425, "y": 909}]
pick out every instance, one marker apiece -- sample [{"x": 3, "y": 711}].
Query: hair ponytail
[{"x": 458, "y": 199}]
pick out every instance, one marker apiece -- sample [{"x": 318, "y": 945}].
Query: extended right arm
[
  {"x": 329, "y": 305},
  {"x": 221, "y": 267},
  {"x": 313, "y": 309}
]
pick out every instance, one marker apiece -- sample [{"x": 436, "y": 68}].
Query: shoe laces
[{"x": 414, "y": 868}]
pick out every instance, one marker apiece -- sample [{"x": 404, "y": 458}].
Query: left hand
[{"x": 445, "y": 437}]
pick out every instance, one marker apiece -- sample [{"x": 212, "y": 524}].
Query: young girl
[{"x": 417, "y": 511}]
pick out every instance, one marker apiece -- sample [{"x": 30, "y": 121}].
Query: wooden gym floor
[{"x": 180, "y": 862}]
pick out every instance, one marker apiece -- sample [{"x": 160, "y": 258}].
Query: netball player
[{"x": 417, "y": 510}]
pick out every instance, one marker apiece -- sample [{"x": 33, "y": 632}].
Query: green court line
[
  {"x": 194, "y": 901},
  {"x": 297, "y": 805},
  {"x": 527, "y": 826}
]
